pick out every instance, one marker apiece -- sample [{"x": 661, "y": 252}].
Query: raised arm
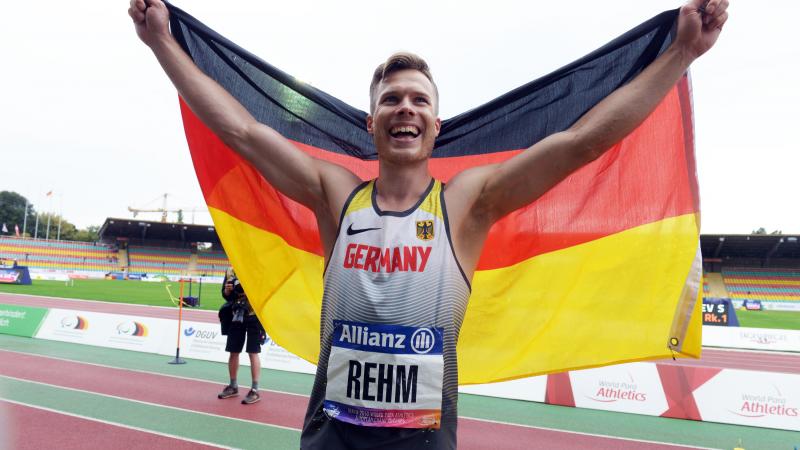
[
  {"x": 479, "y": 197},
  {"x": 312, "y": 182}
]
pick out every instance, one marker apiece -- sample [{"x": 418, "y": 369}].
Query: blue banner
[
  {"x": 16, "y": 275},
  {"x": 720, "y": 312},
  {"x": 396, "y": 339}
]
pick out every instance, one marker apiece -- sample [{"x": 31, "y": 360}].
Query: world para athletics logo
[
  {"x": 132, "y": 328},
  {"x": 74, "y": 322}
]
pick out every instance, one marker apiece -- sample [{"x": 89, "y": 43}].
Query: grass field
[
  {"x": 137, "y": 292},
  {"x": 156, "y": 294},
  {"x": 784, "y": 320}
]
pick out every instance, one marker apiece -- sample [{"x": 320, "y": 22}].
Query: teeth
[{"x": 405, "y": 129}]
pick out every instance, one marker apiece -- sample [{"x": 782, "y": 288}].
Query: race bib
[{"x": 385, "y": 375}]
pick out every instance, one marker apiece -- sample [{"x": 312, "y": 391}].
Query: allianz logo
[
  {"x": 200, "y": 334},
  {"x": 422, "y": 341}
]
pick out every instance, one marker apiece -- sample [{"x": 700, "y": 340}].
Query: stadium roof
[
  {"x": 763, "y": 246},
  {"x": 114, "y": 228},
  {"x": 713, "y": 246}
]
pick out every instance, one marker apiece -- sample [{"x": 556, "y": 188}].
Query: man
[
  {"x": 387, "y": 375},
  {"x": 244, "y": 326}
]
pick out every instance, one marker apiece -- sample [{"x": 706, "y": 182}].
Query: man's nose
[{"x": 405, "y": 107}]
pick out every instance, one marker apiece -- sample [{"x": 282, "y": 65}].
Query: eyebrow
[{"x": 415, "y": 92}]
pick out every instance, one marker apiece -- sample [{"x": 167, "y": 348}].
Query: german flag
[{"x": 604, "y": 268}]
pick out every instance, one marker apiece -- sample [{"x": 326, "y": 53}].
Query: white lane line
[
  {"x": 306, "y": 396},
  {"x": 78, "y": 300},
  {"x": 103, "y": 302},
  {"x": 588, "y": 434},
  {"x": 116, "y": 424},
  {"x": 146, "y": 372},
  {"x": 157, "y": 405}
]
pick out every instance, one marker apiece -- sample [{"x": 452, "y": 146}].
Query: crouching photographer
[{"x": 240, "y": 323}]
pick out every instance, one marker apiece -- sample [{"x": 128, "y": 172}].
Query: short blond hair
[{"x": 395, "y": 63}]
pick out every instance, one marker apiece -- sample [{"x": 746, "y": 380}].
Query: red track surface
[
  {"x": 200, "y": 396},
  {"x": 195, "y": 395},
  {"x": 743, "y": 359},
  {"x": 28, "y": 428},
  {"x": 152, "y": 388},
  {"x": 108, "y": 307}
]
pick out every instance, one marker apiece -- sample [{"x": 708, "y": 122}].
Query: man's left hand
[{"x": 699, "y": 25}]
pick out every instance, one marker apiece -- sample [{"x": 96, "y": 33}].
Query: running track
[{"x": 160, "y": 402}]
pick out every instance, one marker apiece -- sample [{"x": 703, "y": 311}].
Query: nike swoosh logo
[{"x": 351, "y": 231}]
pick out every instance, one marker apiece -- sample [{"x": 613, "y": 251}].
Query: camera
[
  {"x": 237, "y": 286},
  {"x": 238, "y": 307},
  {"x": 230, "y": 277}
]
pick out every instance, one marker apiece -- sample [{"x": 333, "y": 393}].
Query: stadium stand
[
  {"x": 161, "y": 248},
  {"x": 762, "y": 267},
  {"x": 59, "y": 255},
  {"x": 154, "y": 260},
  {"x": 69, "y": 256},
  {"x": 762, "y": 284},
  {"x": 211, "y": 263},
  {"x": 744, "y": 267},
  {"x": 714, "y": 286}
]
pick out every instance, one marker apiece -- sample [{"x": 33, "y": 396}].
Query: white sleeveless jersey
[{"x": 392, "y": 307}]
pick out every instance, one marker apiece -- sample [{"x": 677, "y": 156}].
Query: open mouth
[{"x": 405, "y": 132}]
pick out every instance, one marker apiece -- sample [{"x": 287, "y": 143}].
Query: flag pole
[
  {"x": 25, "y": 218},
  {"x": 60, "y": 215},
  {"x": 49, "y": 214},
  {"x": 36, "y": 232},
  {"x": 178, "y": 359}
]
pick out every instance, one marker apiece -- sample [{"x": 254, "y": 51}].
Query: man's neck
[{"x": 399, "y": 188}]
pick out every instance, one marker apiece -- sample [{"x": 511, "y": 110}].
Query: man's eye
[
  {"x": 423, "y": 100},
  {"x": 390, "y": 99}
]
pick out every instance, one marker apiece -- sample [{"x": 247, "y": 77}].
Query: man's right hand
[
  {"x": 320, "y": 185},
  {"x": 151, "y": 19}
]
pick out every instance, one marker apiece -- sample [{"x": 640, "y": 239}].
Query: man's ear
[
  {"x": 370, "y": 130},
  {"x": 438, "y": 125}
]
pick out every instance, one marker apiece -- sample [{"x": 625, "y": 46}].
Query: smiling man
[{"x": 402, "y": 248}]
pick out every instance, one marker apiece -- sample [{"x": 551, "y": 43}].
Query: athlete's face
[{"x": 404, "y": 122}]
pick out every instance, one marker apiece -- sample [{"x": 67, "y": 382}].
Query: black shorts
[{"x": 237, "y": 333}]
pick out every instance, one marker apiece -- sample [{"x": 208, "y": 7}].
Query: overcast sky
[{"x": 88, "y": 114}]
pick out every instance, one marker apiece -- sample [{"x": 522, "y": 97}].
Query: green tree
[
  {"x": 67, "y": 229},
  {"x": 12, "y": 211},
  {"x": 69, "y": 232},
  {"x": 89, "y": 234}
]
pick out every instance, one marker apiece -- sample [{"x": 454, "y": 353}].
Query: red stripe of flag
[{"x": 627, "y": 191}]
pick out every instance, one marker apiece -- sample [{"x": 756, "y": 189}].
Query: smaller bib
[{"x": 385, "y": 375}]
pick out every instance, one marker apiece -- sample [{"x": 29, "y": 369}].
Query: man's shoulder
[
  {"x": 471, "y": 177},
  {"x": 466, "y": 186}
]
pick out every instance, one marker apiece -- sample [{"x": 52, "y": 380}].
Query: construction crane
[{"x": 163, "y": 210}]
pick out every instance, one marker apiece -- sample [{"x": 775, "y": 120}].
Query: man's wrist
[
  {"x": 162, "y": 42},
  {"x": 681, "y": 55}
]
